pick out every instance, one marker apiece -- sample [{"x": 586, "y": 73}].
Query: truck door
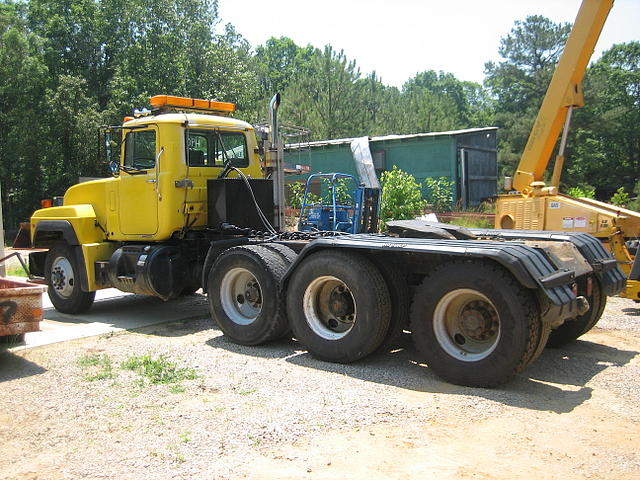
[{"x": 138, "y": 206}]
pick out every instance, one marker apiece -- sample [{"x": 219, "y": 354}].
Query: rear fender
[{"x": 529, "y": 266}]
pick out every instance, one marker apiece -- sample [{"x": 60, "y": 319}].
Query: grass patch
[
  {"x": 96, "y": 367},
  {"x": 471, "y": 222},
  {"x": 178, "y": 456},
  {"x": 16, "y": 271},
  {"x": 159, "y": 370},
  {"x": 255, "y": 441}
]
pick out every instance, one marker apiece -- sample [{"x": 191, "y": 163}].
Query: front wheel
[
  {"x": 474, "y": 324},
  {"x": 62, "y": 272}
]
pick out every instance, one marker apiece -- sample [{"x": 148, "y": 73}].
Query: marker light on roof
[{"x": 164, "y": 101}]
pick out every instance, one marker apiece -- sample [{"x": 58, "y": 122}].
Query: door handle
[{"x": 151, "y": 180}]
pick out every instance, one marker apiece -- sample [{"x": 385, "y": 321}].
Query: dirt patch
[{"x": 73, "y": 410}]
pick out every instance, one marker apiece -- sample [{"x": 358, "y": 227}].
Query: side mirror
[{"x": 109, "y": 150}]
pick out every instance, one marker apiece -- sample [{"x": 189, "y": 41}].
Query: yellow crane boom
[
  {"x": 563, "y": 94},
  {"x": 533, "y": 205}
]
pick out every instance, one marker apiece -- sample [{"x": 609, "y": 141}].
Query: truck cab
[{"x": 158, "y": 191}]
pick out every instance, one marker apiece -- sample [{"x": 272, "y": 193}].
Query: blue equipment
[{"x": 359, "y": 216}]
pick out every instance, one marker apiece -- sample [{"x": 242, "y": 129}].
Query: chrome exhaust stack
[{"x": 275, "y": 160}]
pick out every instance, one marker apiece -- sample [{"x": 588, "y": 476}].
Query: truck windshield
[{"x": 212, "y": 148}]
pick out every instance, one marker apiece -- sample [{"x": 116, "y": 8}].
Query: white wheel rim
[
  {"x": 329, "y": 308},
  {"x": 241, "y": 296},
  {"x": 466, "y": 325},
  {"x": 62, "y": 277}
]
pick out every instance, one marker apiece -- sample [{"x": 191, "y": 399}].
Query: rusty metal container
[{"x": 20, "y": 307}]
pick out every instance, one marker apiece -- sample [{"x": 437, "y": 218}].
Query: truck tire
[
  {"x": 474, "y": 324},
  {"x": 571, "y": 330},
  {"x": 61, "y": 272},
  {"x": 339, "y": 306},
  {"x": 244, "y": 297},
  {"x": 287, "y": 256},
  {"x": 286, "y": 253},
  {"x": 400, "y": 303}
]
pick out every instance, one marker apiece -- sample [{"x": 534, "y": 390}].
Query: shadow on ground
[
  {"x": 14, "y": 366},
  {"x": 633, "y": 312},
  {"x": 556, "y": 382},
  {"x": 132, "y": 312}
]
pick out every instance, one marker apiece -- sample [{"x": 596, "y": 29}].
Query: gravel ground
[{"x": 275, "y": 412}]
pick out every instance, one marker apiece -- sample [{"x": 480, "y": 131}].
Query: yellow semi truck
[{"x": 196, "y": 201}]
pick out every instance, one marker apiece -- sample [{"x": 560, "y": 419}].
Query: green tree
[
  {"x": 379, "y": 110},
  {"x": 73, "y": 123},
  {"x": 23, "y": 137},
  {"x": 442, "y": 89},
  {"x": 437, "y": 101},
  {"x": 326, "y": 99},
  {"x": 530, "y": 52},
  {"x": 518, "y": 83},
  {"x": 279, "y": 62},
  {"x": 73, "y": 42},
  {"x": 604, "y": 145}
]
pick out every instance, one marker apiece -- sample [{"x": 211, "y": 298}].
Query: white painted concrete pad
[{"x": 113, "y": 311}]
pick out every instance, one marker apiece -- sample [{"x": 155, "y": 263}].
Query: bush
[
  {"x": 344, "y": 195},
  {"x": 440, "y": 193},
  {"x": 294, "y": 192},
  {"x": 582, "y": 191},
  {"x": 401, "y": 196},
  {"x": 634, "y": 204},
  {"x": 620, "y": 198},
  {"x": 295, "y": 195}
]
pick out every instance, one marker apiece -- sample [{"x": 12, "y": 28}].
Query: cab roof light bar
[{"x": 163, "y": 102}]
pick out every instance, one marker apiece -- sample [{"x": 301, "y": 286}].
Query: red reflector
[{"x": 589, "y": 287}]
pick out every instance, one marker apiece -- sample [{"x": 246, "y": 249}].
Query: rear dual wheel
[
  {"x": 244, "y": 294},
  {"x": 400, "y": 303},
  {"x": 474, "y": 324},
  {"x": 339, "y": 306}
]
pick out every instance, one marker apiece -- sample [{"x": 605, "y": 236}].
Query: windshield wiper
[{"x": 131, "y": 170}]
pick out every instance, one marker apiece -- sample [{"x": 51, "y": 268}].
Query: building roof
[{"x": 342, "y": 141}]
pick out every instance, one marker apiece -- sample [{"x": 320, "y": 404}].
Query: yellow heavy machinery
[{"x": 533, "y": 205}]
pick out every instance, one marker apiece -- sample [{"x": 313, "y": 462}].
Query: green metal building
[{"x": 466, "y": 157}]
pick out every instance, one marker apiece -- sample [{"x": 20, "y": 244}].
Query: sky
[{"x": 399, "y": 38}]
